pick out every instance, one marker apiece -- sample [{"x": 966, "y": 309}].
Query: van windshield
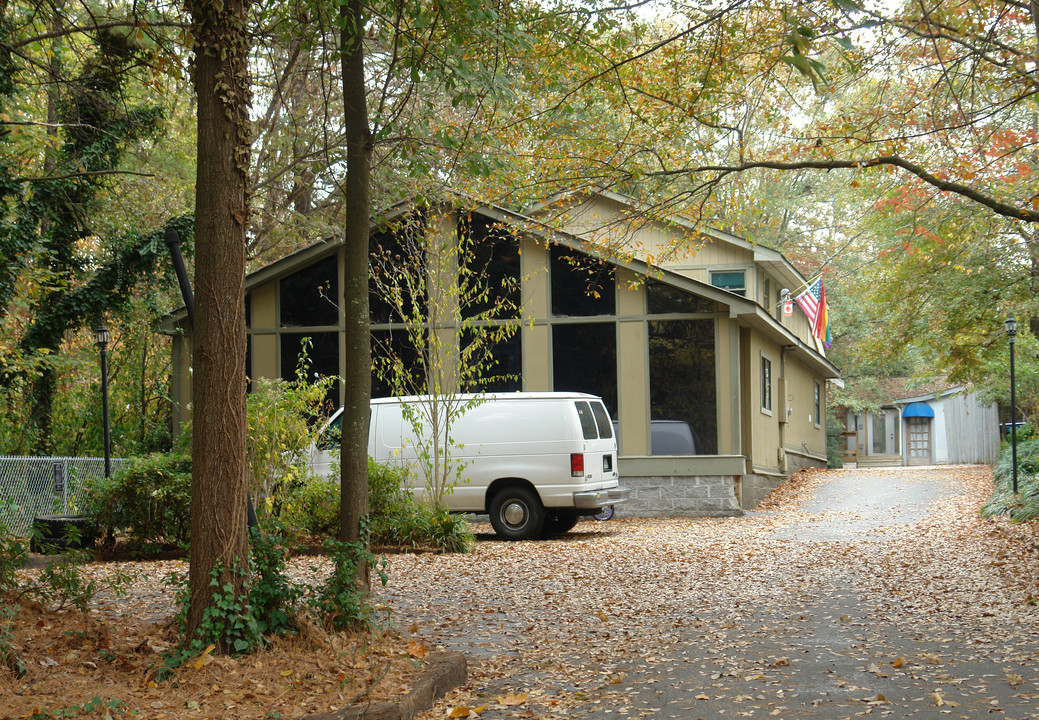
[
  {"x": 331, "y": 437},
  {"x": 587, "y": 420},
  {"x": 602, "y": 419}
]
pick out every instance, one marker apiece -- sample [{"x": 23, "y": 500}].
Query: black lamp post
[
  {"x": 102, "y": 336},
  {"x": 1011, "y": 328}
]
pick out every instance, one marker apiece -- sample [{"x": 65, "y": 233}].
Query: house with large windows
[{"x": 716, "y": 394}]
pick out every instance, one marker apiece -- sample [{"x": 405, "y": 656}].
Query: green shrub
[
  {"x": 339, "y": 602},
  {"x": 14, "y": 554},
  {"x": 149, "y": 500},
  {"x": 284, "y": 420},
  {"x": 312, "y": 508},
  {"x": 394, "y": 518},
  {"x": 273, "y": 597},
  {"x": 63, "y": 583},
  {"x": 448, "y": 531},
  {"x": 228, "y": 622},
  {"x": 8, "y": 655},
  {"x": 1025, "y": 505}
]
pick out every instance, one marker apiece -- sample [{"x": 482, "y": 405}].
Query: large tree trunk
[
  {"x": 358, "y": 377},
  {"x": 219, "y": 541}
]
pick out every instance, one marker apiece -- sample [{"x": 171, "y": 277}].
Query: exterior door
[
  {"x": 918, "y": 433},
  {"x": 883, "y": 433}
]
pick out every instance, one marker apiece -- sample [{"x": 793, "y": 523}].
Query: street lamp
[
  {"x": 102, "y": 336},
  {"x": 1011, "y": 328}
]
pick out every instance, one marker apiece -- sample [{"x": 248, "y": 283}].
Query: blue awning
[{"x": 918, "y": 409}]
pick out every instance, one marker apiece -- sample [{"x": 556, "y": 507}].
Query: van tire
[
  {"x": 517, "y": 514},
  {"x": 558, "y": 522}
]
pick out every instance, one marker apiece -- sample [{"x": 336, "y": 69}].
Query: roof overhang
[
  {"x": 780, "y": 267},
  {"x": 746, "y": 312}
]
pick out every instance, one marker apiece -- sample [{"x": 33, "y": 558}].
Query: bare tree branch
[{"x": 956, "y": 188}]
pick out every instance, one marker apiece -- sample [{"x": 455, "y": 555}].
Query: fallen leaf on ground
[{"x": 513, "y": 699}]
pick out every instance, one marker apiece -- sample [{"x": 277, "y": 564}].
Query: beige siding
[
  {"x": 765, "y": 425},
  {"x": 802, "y": 424},
  {"x": 632, "y": 365},
  {"x": 535, "y": 338},
  {"x": 264, "y": 313},
  {"x": 265, "y": 356},
  {"x": 715, "y": 255},
  {"x": 728, "y": 384}
]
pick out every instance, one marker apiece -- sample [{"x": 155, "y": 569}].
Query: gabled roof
[
  {"x": 746, "y": 311},
  {"x": 774, "y": 260}
]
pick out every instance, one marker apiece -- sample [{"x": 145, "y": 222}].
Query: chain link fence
[{"x": 34, "y": 486}]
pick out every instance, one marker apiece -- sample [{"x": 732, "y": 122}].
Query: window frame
[
  {"x": 766, "y": 384},
  {"x": 818, "y": 403},
  {"x": 741, "y": 291}
]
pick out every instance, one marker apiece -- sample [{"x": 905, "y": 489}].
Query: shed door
[
  {"x": 919, "y": 433},
  {"x": 883, "y": 433}
]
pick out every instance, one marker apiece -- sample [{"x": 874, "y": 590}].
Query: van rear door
[{"x": 600, "y": 456}]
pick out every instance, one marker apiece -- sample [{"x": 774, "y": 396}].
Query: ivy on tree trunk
[{"x": 219, "y": 541}]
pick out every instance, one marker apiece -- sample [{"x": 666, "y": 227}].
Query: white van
[{"x": 535, "y": 462}]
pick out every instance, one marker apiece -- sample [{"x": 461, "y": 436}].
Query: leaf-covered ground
[
  {"x": 106, "y": 665},
  {"x": 848, "y": 594}
]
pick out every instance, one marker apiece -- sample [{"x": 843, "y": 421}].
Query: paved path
[{"x": 879, "y": 594}]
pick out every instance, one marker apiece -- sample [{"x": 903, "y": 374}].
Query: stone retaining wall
[
  {"x": 754, "y": 488},
  {"x": 674, "y": 496}
]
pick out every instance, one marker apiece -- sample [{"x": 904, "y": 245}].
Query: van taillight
[{"x": 576, "y": 464}]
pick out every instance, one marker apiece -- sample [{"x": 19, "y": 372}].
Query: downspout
[
  {"x": 782, "y": 409},
  {"x": 172, "y": 240}
]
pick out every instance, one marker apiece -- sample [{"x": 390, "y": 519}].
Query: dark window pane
[
  {"x": 584, "y": 359},
  {"x": 663, "y": 298},
  {"x": 308, "y": 296},
  {"x": 397, "y": 366},
  {"x": 588, "y": 428},
  {"x": 490, "y": 287},
  {"x": 602, "y": 419},
  {"x": 322, "y": 359},
  {"x": 682, "y": 378},
  {"x": 581, "y": 285},
  {"x": 734, "y": 281},
  {"x": 766, "y": 383},
  {"x": 248, "y": 310},
  {"x": 503, "y": 365},
  {"x": 397, "y": 272}
]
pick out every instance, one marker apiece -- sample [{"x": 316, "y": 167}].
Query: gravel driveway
[{"x": 866, "y": 593}]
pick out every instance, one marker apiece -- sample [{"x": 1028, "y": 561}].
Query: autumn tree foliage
[
  {"x": 877, "y": 143},
  {"x": 72, "y": 120}
]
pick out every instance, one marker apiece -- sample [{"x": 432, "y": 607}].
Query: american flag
[{"x": 813, "y": 302}]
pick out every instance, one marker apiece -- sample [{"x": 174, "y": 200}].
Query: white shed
[{"x": 947, "y": 427}]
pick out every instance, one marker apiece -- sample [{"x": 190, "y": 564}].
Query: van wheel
[
  {"x": 517, "y": 514},
  {"x": 558, "y": 522}
]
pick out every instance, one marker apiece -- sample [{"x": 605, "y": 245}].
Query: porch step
[{"x": 880, "y": 461}]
